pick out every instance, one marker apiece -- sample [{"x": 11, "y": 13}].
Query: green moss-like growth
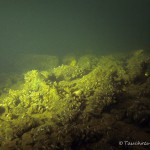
[
  {"x": 138, "y": 66},
  {"x": 74, "y": 93},
  {"x": 65, "y": 72},
  {"x": 87, "y": 62}
]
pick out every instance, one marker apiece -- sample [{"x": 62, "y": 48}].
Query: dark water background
[{"x": 60, "y": 27}]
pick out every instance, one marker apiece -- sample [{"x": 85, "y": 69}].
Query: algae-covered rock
[
  {"x": 65, "y": 72},
  {"x": 87, "y": 62},
  {"x": 54, "y": 108},
  {"x": 138, "y": 66}
]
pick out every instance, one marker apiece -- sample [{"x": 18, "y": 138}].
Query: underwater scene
[
  {"x": 86, "y": 102},
  {"x": 74, "y": 74}
]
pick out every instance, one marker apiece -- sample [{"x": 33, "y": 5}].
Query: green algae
[{"x": 69, "y": 93}]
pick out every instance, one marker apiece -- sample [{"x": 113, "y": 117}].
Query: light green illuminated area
[{"x": 74, "y": 93}]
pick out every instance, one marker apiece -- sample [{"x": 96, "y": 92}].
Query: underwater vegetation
[{"x": 85, "y": 103}]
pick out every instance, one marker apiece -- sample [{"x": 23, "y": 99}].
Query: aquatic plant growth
[{"x": 60, "y": 102}]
